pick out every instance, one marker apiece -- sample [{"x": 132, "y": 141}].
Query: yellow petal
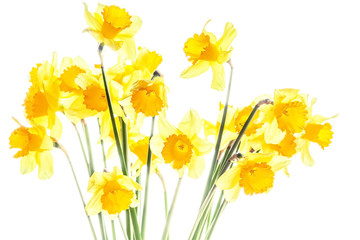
[
  {"x": 45, "y": 162},
  {"x": 228, "y": 36},
  {"x": 218, "y": 81},
  {"x": 165, "y": 128},
  {"x": 57, "y": 129},
  {"x": 196, "y": 167},
  {"x": 232, "y": 194},
  {"x": 114, "y": 45},
  {"x": 201, "y": 146},
  {"x": 128, "y": 49},
  {"x": 96, "y": 181},
  {"x": 190, "y": 124},
  {"x": 157, "y": 144},
  {"x": 196, "y": 69},
  {"x": 90, "y": 19},
  {"x": 305, "y": 154},
  {"x": 136, "y": 23},
  {"x": 94, "y": 206},
  {"x": 230, "y": 178},
  {"x": 27, "y": 163},
  {"x": 209, "y": 128},
  {"x": 279, "y": 162},
  {"x": 273, "y": 134}
]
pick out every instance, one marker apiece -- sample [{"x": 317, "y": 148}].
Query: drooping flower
[
  {"x": 114, "y": 27},
  {"x": 204, "y": 51},
  {"x": 35, "y": 146},
  {"x": 42, "y": 99},
  {"x": 181, "y": 147},
  {"x": 112, "y": 192},
  {"x": 255, "y": 174}
]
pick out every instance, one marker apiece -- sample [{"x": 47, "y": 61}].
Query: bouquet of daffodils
[{"x": 251, "y": 143}]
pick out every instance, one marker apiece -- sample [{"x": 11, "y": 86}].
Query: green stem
[
  {"x": 83, "y": 150},
  {"x": 138, "y": 197},
  {"x": 135, "y": 224},
  {"x": 124, "y": 141},
  {"x": 128, "y": 224},
  {"x": 111, "y": 111},
  {"x": 165, "y": 195},
  {"x": 113, "y": 229},
  {"x": 147, "y": 185},
  {"x": 102, "y": 228},
  {"x": 216, "y": 218},
  {"x": 168, "y": 219},
  {"x": 122, "y": 228},
  {"x": 58, "y": 145},
  {"x": 219, "y": 137},
  {"x": 88, "y": 144},
  {"x": 102, "y": 145}
]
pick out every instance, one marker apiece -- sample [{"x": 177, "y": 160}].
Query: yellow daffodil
[
  {"x": 147, "y": 97},
  {"x": 142, "y": 67},
  {"x": 114, "y": 27},
  {"x": 235, "y": 120},
  {"x": 315, "y": 131},
  {"x": 140, "y": 149},
  {"x": 35, "y": 146},
  {"x": 255, "y": 174},
  {"x": 112, "y": 192},
  {"x": 42, "y": 99},
  {"x": 204, "y": 51},
  {"x": 181, "y": 147}
]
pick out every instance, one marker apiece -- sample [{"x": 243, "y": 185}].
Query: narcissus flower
[
  {"x": 35, "y": 146},
  {"x": 204, "y": 51},
  {"x": 149, "y": 96},
  {"x": 42, "y": 99},
  {"x": 114, "y": 27},
  {"x": 181, "y": 147},
  {"x": 255, "y": 174},
  {"x": 112, "y": 192}
]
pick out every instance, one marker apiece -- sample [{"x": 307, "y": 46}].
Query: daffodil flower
[
  {"x": 114, "y": 27},
  {"x": 181, "y": 147},
  {"x": 255, "y": 174},
  {"x": 42, "y": 99},
  {"x": 35, "y": 146},
  {"x": 112, "y": 193},
  {"x": 204, "y": 51}
]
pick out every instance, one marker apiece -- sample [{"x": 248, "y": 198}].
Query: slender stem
[
  {"x": 101, "y": 222},
  {"x": 82, "y": 149},
  {"x": 171, "y": 211},
  {"x": 138, "y": 197},
  {"x": 147, "y": 185},
  {"x": 165, "y": 195},
  {"x": 219, "y": 137},
  {"x": 102, "y": 145},
  {"x": 135, "y": 224},
  {"x": 111, "y": 111},
  {"x": 122, "y": 228},
  {"x": 113, "y": 229},
  {"x": 124, "y": 141},
  {"x": 58, "y": 145},
  {"x": 216, "y": 218},
  {"x": 203, "y": 221},
  {"x": 203, "y": 209},
  {"x": 88, "y": 144},
  {"x": 128, "y": 224}
]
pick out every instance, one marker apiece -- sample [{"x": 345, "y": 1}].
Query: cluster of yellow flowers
[{"x": 121, "y": 96}]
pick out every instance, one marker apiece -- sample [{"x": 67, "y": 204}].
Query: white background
[{"x": 312, "y": 45}]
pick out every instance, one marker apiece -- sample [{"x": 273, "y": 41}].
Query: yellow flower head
[
  {"x": 255, "y": 174},
  {"x": 204, "y": 51},
  {"x": 35, "y": 146},
  {"x": 181, "y": 147},
  {"x": 112, "y": 192},
  {"x": 42, "y": 99},
  {"x": 114, "y": 27},
  {"x": 149, "y": 96}
]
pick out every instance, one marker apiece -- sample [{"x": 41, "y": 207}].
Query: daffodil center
[
  {"x": 199, "y": 47},
  {"x": 115, "y": 20},
  {"x": 177, "y": 150},
  {"x": 291, "y": 117},
  {"x": 256, "y": 178},
  {"x": 67, "y": 78},
  {"x": 95, "y": 98},
  {"x": 116, "y": 198}
]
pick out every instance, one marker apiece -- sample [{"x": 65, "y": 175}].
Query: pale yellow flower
[
  {"x": 114, "y": 27},
  {"x": 255, "y": 174},
  {"x": 181, "y": 147},
  {"x": 35, "y": 146},
  {"x": 112, "y": 192},
  {"x": 204, "y": 51}
]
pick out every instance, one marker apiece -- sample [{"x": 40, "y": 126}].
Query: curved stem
[
  {"x": 83, "y": 150},
  {"x": 59, "y": 146}
]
